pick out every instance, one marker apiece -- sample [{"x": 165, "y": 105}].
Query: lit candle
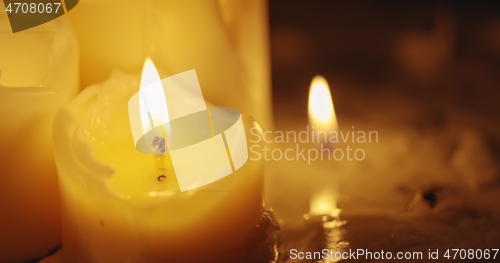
[
  {"x": 322, "y": 118},
  {"x": 309, "y": 175},
  {"x": 114, "y": 208},
  {"x": 225, "y": 41},
  {"x": 38, "y": 75}
]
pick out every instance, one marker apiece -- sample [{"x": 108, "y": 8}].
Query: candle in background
[
  {"x": 114, "y": 209},
  {"x": 226, "y": 41},
  {"x": 323, "y": 120},
  {"x": 302, "y": 171},
  {"x": 38, "y": 75}
]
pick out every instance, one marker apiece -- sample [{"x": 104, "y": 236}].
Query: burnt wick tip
[{"x": 161, "y": 178}]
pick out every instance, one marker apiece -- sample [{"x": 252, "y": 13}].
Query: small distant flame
[
  {"x": 321, "y": 112},
  {"x": 324, "y": 203}
]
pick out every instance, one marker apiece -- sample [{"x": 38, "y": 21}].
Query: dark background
[
  {"x": 426, "y": 74},
  {"x": 439, "y": 53}
]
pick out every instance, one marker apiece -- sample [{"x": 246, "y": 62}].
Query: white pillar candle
[
  {"x": 38, "y": 75},
  {"x": 114, "y": 209}
]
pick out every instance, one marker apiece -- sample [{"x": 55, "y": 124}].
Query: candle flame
[
  {"x": 152, "y": 102},
  {"x": 324, "y": 203},
  {"x": 321, "y": 112}
]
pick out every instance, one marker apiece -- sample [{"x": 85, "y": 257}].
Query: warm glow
[
  {"x": 324, "y": 203},
  {"x": 152, "y": 102},
  {"x": 321, "y": 112}
]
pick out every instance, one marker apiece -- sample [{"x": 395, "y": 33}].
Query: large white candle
[
  {"x": 114, "y": 208},
  {"x": 38, "y": 75}
]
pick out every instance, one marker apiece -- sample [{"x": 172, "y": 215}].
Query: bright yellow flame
[
  {"x": 152, "y": 102},
  {"x": 324, "y": 203},
  {"x": 321, "y": 113}
]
